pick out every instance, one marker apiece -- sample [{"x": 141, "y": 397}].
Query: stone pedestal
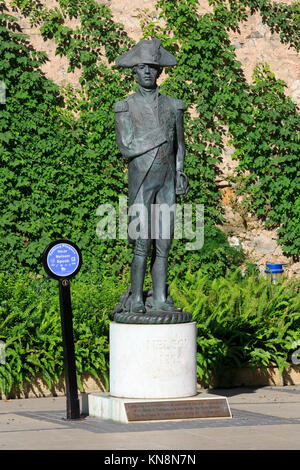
[
  {"x": 153, "y": 361},
  {"x": 128, "y": 410},
  {"x": 153, "y": 376}
]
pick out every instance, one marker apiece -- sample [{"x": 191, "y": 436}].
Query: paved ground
[{"x": 262, "y": 418}]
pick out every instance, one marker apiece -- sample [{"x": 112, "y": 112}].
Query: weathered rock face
[{"x": 254, "y": 43}]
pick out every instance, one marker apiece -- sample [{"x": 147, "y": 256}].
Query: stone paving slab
[{"x": 262, "y": 418}]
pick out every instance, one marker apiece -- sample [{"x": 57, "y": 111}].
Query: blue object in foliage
[
  {"x": 273, "y": 268},
  {"x": 63, "y": 260}
]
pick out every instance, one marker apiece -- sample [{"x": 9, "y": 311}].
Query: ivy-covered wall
[
  {"x": 62, "y": 149},
  {"x": 264, "y": 36}
]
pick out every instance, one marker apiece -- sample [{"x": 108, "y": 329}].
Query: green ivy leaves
[
  {"x": 262, "y": 121},
  {"x": 59, "y": 158},
  {"x": 268, "y": 149}
]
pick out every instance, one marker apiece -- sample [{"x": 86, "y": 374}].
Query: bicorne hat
[{"x": 147, "y": 52}]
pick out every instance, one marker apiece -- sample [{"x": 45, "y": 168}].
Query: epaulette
[
  {"x": 180, "y": 105},
  {"x": 121, "y": 106}
]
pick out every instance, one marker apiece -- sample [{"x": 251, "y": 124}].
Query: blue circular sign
[{"x": 62, "y": 259}]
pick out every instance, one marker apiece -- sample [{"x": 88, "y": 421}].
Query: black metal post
[{"x": 73, "y": 408}]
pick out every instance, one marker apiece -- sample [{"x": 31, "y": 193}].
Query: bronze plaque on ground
[{"x": 180, "y": 409}]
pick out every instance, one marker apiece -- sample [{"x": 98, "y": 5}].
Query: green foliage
[
  {"x": 59, "y": 162},
  {"x": 281, "y": 18},
  {"x": 241, "y": 320},
  {"x": 215, "y": 258},
  {"x": 72, "y": 163},
  {"x": 267, "y": 142},
  {"x": 30, "y": 327},
  {"x": 57, "y": 168},
  {"x": 59, "y": 158},
  {"x": 262, "y": 121}
]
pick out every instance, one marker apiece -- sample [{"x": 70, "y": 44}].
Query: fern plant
[
  {"x": 31, "y": 330},
  {"x": 241, "y": 320}
]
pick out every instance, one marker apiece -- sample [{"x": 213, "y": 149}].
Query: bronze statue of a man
[{"x": 149, "y": 130}]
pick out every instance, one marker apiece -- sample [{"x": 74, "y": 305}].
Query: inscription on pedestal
[
  {"x": 166, "y": 353},
  {"x": 183, "y": 409}
]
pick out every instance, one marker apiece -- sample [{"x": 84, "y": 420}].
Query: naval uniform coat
[{"x": 143, "y": 132}]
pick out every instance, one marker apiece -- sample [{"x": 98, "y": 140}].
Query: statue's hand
[{"x": 182, "y": 184}]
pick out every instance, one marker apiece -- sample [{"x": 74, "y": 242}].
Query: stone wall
[{"x": 254, "y": 43}]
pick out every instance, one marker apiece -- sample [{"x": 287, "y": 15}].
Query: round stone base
[
  {"x": 153, "y": 361},
  {"x": 154, "y": 318}
]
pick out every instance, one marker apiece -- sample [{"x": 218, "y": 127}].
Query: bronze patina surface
[{"x": 150, "y": 134}]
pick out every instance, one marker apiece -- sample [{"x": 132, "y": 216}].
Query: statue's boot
[
  {"x": 138, "y": 269},
  {"x": 159, "y": 282}
]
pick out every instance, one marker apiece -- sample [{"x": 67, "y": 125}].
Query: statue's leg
[
  {"x": 164, "y": 223},
  {"x": 138, "y": 269},
  {"x": 159, "y": 272},
  {"x": 142, "y": 207}
]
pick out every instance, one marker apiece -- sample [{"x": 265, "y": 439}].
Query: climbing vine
[
  {"x": 261, "y": 121},
  {"x": 59, "y": 159}
]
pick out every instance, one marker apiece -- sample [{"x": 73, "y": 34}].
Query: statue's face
[{"x": 146, "y": 75}]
